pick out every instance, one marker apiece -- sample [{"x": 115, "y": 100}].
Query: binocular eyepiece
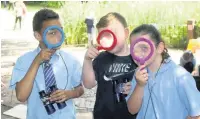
[
  {"x": 118, "y": 82},
  {"x": 118, "y": 89},
  {"x": 49, "y": 104}
]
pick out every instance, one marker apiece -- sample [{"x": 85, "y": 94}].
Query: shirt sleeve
[
  {"x": 76, "y": 77},
  {"x": 133, "y": 84},
  {"x": 189, "y": 93},
  {"x": 95, "y": 63},
  {"x": 18, "y": 73}
]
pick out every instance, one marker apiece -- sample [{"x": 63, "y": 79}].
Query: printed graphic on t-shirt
[
  {"x": 118, "y": 71},
  {"x": 119, "y": 67}
]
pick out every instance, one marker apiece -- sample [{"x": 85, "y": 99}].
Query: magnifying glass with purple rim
[{"x": 141, "y": 50}]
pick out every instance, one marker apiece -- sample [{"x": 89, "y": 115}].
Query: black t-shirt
[{"x": 108, "y": 65}]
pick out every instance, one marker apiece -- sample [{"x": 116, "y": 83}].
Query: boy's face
[
  {"x": 53, "y": 35},
  {"x": 120, "y": 32}
]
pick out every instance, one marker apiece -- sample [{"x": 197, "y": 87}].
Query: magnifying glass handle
[
  {"x": 47, "y": 61},
  {"x": 142, "y": 63},
  {"x": 99, "y": 48},
  {"x": 143, "y": 68}
]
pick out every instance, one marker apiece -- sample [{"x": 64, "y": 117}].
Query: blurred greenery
[
  {"x": 197, "y": 29},
  {"x": 35, "y": 5},
  {"x": 171, "y": 18},
  {"x": 53, "y": 4}
]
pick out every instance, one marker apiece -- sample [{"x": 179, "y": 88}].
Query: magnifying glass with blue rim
[{"x": 53, "y": 37}]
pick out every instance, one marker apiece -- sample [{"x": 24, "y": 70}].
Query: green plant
[
  {"x": 74, "y": 25},
  {"x": 197, "y": 29},
  {"x": 174, "y": 36},
  {"x": 171, "y": 18},
  {"x": 52, "y": 4}
]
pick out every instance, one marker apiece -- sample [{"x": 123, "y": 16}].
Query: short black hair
[
  {"x": 189, "y": 66},
  {"x": 41, "y": 16}
]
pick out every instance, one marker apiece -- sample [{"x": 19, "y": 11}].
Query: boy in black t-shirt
[{"x": 114, "y": 64}]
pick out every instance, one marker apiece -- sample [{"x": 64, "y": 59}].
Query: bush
[
  {"x": 197, "y": 29},
  {"x": 74, "y": 25},
  {"x": 174, "y": 36},
  {"x": 171, "y": 18},
  {"x": 52, "y": 4}
]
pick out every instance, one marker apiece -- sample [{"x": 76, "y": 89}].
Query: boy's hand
[
  {"x": 45, "y": 54},
  {"x": 141, "y": 76},
  {"x": 195, "y": 73},
  {"x": 91, "y": 53},
  {"x": 60, "y": 96},
  {"x": 197, "y": 117},
  {"x": 127, "y": 88},
  {"x": 189, "y": 117}
]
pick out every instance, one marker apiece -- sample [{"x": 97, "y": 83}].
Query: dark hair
[
  {"x": 188, "y": 55},
  {"x": 154, "y": 34},
  {"x": 189, "y": 66},
  {"x": 41, "y": 16},
  {"x": 105, "y": 20}
]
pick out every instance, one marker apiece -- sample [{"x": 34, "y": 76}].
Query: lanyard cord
[
  {"x": 60, "y": 111},
  {"x": 65, "y": 68},
  {"x": 150, "y": 97}
]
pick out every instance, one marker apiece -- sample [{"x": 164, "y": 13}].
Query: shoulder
[
  {"x": 102, "y": 58},
  {"x": 25, "y": 60},
  {"x": 170, "y": 67},
  {"x": 27, "y": 57},
  {"x": 68, "y": 56},
  {"x": 179, "y": 71},
  {"x": 103, "y": 55},
  {"x": 182, "y": 76}
]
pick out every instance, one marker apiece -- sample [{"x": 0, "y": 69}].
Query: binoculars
[
  {"x": 118, "y": 90},
  {"x": 49, "y": 104},
  {"x": 118, "y": 84}
]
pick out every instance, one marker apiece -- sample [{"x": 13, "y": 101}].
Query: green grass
[
  {"x": 165, "y": 14},
  {"x": 33, "y": 7},
  {"x": 36, "y": 7},
  {"x": 171, "y": 17}
]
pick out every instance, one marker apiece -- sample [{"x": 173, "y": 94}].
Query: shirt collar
[
  {"x": 166, "y": 65},
  {"x": 39, "y": 49},
  {"x": 54, "y": 57}
]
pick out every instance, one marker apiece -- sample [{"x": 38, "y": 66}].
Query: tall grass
[{"x": 165, "y": 14}]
